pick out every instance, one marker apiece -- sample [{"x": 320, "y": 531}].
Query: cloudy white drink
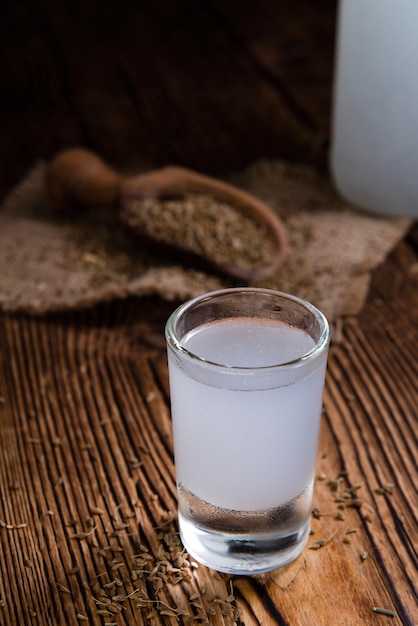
[{"x": 246, "y": 397}]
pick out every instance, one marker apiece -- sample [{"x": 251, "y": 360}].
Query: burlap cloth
[{"x": 51, "y": 263}]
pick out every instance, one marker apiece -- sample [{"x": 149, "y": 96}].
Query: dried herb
[
  {"x": 378, "y": 609},
  {"x": 386, "y": 488},
  {"x": 83, "y": 535},
  {"x": 206, "y": 226}
]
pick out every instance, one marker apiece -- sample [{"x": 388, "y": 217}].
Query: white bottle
[{"x": 374, "y": 151}]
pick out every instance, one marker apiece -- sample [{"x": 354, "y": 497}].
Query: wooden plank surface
[
  {"x": 88, "y": 530},
  {"x": 87, "y": 452}
]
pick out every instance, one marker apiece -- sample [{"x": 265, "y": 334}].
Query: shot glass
[{"x": 246, "y": 370}]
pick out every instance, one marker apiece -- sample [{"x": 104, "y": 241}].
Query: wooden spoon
[{"x": 77, "y": 177}]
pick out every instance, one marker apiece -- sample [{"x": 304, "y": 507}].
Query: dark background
[{"x": 209, "y": 84}]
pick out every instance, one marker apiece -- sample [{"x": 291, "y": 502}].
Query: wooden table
[{"x": 88, "y": 500}]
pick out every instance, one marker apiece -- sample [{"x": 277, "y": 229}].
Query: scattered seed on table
[
  {"x": 96, "y": 510},
  {"x": 83, "y": 535},
  {"x": 117, "y": 566},
  {"x": 319, "y": 543},
  {"x": 386, "y": 488},
  {"x": 378, "y": 609},
  {"x": 334, "y": 484}
]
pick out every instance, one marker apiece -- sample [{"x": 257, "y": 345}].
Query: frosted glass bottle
[{"x": 374, "y": 148}]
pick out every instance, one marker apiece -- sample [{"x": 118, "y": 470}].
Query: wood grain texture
[{"x": 86, "y": 439}]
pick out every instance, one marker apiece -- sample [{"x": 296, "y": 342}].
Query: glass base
[{"x": 242, "y": 554}]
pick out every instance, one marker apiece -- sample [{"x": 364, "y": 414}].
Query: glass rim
[{"x": 176, "y": 344}]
